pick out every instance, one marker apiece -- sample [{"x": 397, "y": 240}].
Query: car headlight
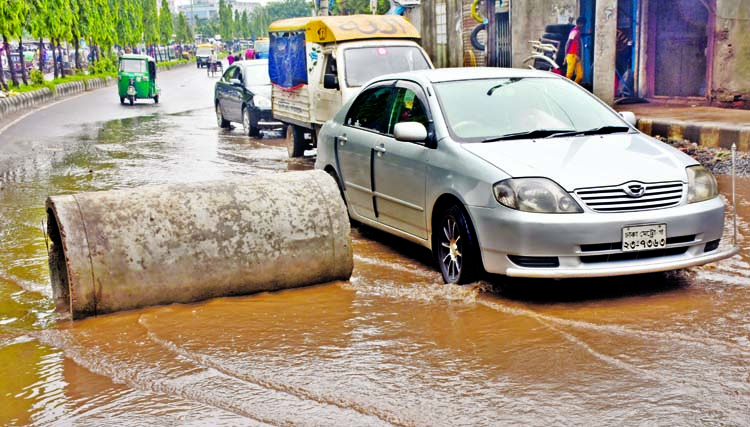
[
  {"x": 261, "y": 101},
  {"x": 701, "y": 184},
  {"x": 538, "y": 195}
]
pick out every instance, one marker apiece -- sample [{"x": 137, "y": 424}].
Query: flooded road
[{"x": 392, "y": 346}]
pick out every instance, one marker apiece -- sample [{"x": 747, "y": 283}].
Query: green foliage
[
  {"x": 104, "y": 66},
  {"x": 352, "y": 7},
  {"x": 36, "y": 77},
  {"x": 244, "y": 25},
  {"x": 181, "y": 29},
  {"x": 165, "y": 23},
  {"x": 150, "y": 22}
]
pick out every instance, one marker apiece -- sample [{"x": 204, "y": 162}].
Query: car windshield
[
  {"x": 364, "y": 63},
  {"x": 257, "y": 75},
  {"x": 203, "y": 51},
  {"x": 487, "y": 109},
  {"x": 133, "y": 66}
]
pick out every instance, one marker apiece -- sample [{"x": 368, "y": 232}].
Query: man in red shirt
[{"x": 573, "y": 51}]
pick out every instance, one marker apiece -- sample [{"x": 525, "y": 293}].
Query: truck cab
[{"x": 317, "y": 64}]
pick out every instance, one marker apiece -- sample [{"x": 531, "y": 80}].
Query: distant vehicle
[
  {"x": 261, "y": 47},
  {"x": 319, "y": 63},
  {"x": 243, "y": 95},
  {"x": 202, "y": 53},
  {"x": 136, "y": 78},
  {"x": 494, "y": 171}
]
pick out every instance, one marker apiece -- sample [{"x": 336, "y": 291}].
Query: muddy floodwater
[{"x": 392, "y": 346}]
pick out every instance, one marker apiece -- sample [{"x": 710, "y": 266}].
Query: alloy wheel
[{"x": 451, "y": 251}]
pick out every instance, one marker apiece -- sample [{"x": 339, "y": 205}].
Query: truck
[{"x": 317, "y": 64}]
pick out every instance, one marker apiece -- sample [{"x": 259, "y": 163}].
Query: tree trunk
[
  {"x": 78, "y": 55},
  {"x": 54, "y": 57},
  {"x": 41, "y": 55},
  {"x": 3, "y": 83},
  {"x": 61, "y": 64},
  {"x": 13, "y": 76},
  {"x": 24, "y": 74}
]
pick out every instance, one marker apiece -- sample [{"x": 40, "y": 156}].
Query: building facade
[{"x": 694, "y": 51}]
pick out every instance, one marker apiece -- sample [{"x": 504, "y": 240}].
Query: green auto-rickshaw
[{"x": 137, "y": 78}]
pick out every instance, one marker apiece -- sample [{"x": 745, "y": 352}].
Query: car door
[
  {"x": 223, "y": 93},
  {"x": 363, "y": 130},
  {"x": 399, "y": 167},
  {"x": 234, "y": 95}
]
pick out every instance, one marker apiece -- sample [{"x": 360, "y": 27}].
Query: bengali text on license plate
[{"x": 644, "y": 237}]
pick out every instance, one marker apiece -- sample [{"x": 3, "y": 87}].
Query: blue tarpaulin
[{"x": 287, "y": 65}]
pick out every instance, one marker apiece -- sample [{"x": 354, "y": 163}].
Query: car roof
[
  {"x": 438, "y": 75},
  {"x": 251, "y": 62}
]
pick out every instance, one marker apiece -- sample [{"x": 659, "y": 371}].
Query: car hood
[
  {"x": 262, "y": 90},
  {"x": 587, "y": 161}
]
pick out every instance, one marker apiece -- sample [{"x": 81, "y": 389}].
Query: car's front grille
[{"x": 632, "y": 196}]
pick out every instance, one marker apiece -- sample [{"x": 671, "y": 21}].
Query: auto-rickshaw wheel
[
  {"x": 156, "y": 99},
  {"x": 122, "y": 100},
  {"x": 131, "y": 99}
]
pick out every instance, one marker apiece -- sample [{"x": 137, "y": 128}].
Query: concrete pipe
[{"x": 181, "y": 243}]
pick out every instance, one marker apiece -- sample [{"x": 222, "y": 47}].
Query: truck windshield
[
  {"x": 365, "y": 63},
  {"x": 133, "y": 66}
]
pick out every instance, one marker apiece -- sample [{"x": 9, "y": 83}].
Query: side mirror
[
  {"x": 330, "y": 81},
  {"x": 410, "y": 132},
  {"x": 235, "y": 82},
  {"x": 629, "y": 117}
]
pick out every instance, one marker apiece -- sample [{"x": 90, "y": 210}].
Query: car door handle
[
  {"x": 342, "y": 140},
  {"x": 380, "y": 149}
]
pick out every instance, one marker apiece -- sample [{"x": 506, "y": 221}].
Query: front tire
[
  {"x": 220, "y": 117},
  {"x": 131, "y": 99},
  {"x": 248, "y": 124},
  {"x": 456, "y": 247},
  {"x": 295, "y": 141}
]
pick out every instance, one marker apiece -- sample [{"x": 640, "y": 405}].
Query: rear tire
[
  {"x": 156, "y": 99},
  {"x": 122, "y": 100},
  {"x": 455, "y": 247},
  {"x": 295, "y": 141}
]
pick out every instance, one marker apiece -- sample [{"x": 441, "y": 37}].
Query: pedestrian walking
[
  {"x": 249, "y": 53},
  {"x": 573, "y": 51},
  {"x": 230, "y": 59}
]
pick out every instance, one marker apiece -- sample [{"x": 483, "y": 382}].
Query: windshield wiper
[
  {"x": 537, "y": 133},
  {"x": 604, "y": 130}
]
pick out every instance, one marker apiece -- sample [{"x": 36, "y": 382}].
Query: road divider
[
  {"x": 29, "y": 100},
  {"x": 181, "y": 243}
]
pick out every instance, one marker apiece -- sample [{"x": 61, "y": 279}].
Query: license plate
[{"x": 644, "y": 237}]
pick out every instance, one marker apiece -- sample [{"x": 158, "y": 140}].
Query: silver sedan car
[{"x": 521, "y": 173}]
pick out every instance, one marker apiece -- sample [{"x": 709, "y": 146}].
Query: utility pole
[{"x": 323, "y": 7}]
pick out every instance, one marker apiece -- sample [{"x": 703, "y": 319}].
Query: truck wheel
[{"x": 295, "y": 141}]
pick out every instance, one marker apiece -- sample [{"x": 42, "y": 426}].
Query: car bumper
[
  {"x": 264, "y": 120},
  {"x": 523, "y": 244}
]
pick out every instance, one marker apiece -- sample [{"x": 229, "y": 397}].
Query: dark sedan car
[{"x": 243, "y": 95}]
